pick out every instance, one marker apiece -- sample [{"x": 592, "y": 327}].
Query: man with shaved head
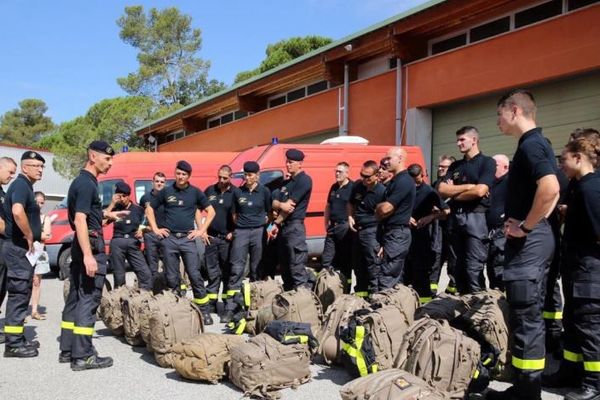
[
  {"x": 495, "y": 223},
  {"x": 8, "y": 169},
  {"x": 394, "y": 215}
]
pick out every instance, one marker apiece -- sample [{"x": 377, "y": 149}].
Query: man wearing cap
[
  {"x": 152, "y": 246},
  {"x": 251, "y": 203},
  {"x": 394, "y": 215},
  {"x": 23, "y": 227},
  {"x": 220, "y": 234},
  {"x": 181, "y": 202},
  {"x": 125, "y": 243},
  {"x": 292, "y": 203},
  {"x": 89, "y": 262},
  {"x": 8, "y": 168}
]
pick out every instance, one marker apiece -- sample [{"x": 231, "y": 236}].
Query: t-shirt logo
[
  {"x": 456, "y": 175},
  {"x": 212, "y": 197},
  {"x": 242, "y": 200},
  {"x": 171, "y": 199},
  {"x": 358, "y": 196}
]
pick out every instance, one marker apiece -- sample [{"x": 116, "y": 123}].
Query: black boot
[
  {"x": 212, "y": 307},
  {"x": 226, "y": 317},
  {"x": 64, "y": 357},
  {"x": 585, "y": 393},
  {"x": 530, "y": 391},
  {"x": 33, "y": 344},
  {"x": 568, "y": 375},
  {"x": 20, "y": 352},
  {"x": 91, "y": 362}
]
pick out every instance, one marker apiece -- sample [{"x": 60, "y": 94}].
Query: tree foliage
[
  {"x": 113, "y": 120},
  {"x": 283, "y": 52},
  {"x": 170, "y": 70},
  {"x": 26, "y": 124}
]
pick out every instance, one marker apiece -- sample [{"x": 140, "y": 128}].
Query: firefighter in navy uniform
[
  {"x": 251, "y": 204},
  {"x": 495, "y": 223},
  {"x": 8, "y": 168},
  {"x": 182, "y": 202},
  {"x": 468, "y": 184},
  {"x": 366, "y": 194},
  {"x": 529, "y": 241},
  {"x": 580, "y": 269},
  {"x": 337, "y": 249},
  {"x": 394, "y": 215},
  {"x": 23, "y": 227},
  {"x": 152, "y": 246},
  {"x": 125, "y": 243},
  {"x": 291, "y": 206},
  {"x": 220, "y": 234},
  {"x": 89, "y": 262}
]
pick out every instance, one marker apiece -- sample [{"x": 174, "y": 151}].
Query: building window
[
  {"x": 239, "y": 114},
  {"x": 490, "y": 29},
  {"x": 448, "y": 44},
  {"x": 316, "y": 88},
  {"x": 277, "y": 101},
  {"x": 226, "y": 118},
  {"x": 393, "y": 63},
  {"x": 538, "y": 13},
  {"x": 214, "y": 123},
  {"x": 296, "y": 94},
  {"x": 575, "y": 4},
  {"x": 179, "y": 135}
]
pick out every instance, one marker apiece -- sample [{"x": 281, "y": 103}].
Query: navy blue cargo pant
[
  {"x": 395, "y": 241},
  {"x": 468, "y": 244},
  {"x": 152, "y": 252},
  {"x": 129, "y": 248},
  {"x": 246, "y": 242},
  {"x": 216, "y": 258},
  {"x": 293, "y": 255},
  {"x": 495, "y": 260},
  {"x": 369, "y": 269},
  {"x": 337, "y": 250}
]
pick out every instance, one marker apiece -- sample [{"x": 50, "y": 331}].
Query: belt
[
  {"x": 361, "y": 227},
  {"x": 124, "y": 236},
  {"x": 219, "y": 235},
  {"x": 335, "y": 223},
  {"x": 294, "y": 222},
  {"x": 179, "y": 235},
  {"x": 95, "y": 233}
]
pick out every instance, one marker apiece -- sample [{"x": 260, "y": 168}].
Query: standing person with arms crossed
[
  {"x": 291, "y": 205},
  {"x": 365, "y": 196},
  {"x": 337, "y": 249},
  {"x": 220, "y": 234},
  {"x": 8, "y": 168},
  {"x": 394, "y": 215},
  {"x": 182, "y": 202},
  {"x": 23, "y": 227},
  {"x": 89, "y": 262},
  {"x": 152, "y": 247},
  {"x": 529, "y": 241},
  {"x": 251, "y": 204},
  {"x": 467, "y": 185}
]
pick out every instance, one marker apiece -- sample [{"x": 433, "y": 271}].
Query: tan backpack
[
  {"x": 372, "y": 339},
  {"x": 329, "y": 286},
  {"x": 444, "y": 306},
  {"x": 403, "y": 297},
  {"x": 442, "y": 356},
  {"x": 110, "y": 309},
  {"x": 263, "y": 317},
  {"x": 337, "y": 316},
  {"x": 262, "y": 366},
  {"x": 258, "y": 295},
  {"x": 204, "y": 357},
  {"x": 172, "y": 323},
  {"x": 392, "y": 384},
  {"x": 298, "y": 305},
  {"x": 147, "y": 308},
  {"x": 131, "y": 306}
]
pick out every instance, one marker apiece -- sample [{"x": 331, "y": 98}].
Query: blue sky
[{"x": 69, "y": 54}]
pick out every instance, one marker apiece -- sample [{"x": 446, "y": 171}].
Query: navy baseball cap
[
  {"x": 251, "y": 166},
  {"x": 101, "y": 146},
  {"x": 184, "y": 166},
  {"x": 294, "y": 155}
]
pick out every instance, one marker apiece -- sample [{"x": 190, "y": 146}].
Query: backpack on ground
[
  {"x": 110, "y": 309},
  {"x": 148, "y": 307},
  {"x": 131, "y": 306},
  {"x": 372, "y": 339},
  {"x": 329, "y": 286},
  {"x": 299, "y": 305},
  {"x": 172, "y": 323},
  {"x": 289, "y": 332},
  {"x": 403, "y": 297},
  {"x": 391, "y": 384},
  {"x": 442, "y": 356},
  {"x": 337, "y": 316},
  {"x": 204, "y": 357},
  {"x": 444, "y": 306},
  {"x": 262, "y": 366},
  {"x": 257, "y": 295}
]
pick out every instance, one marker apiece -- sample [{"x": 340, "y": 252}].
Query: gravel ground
[{"x": 134, "y": 375}]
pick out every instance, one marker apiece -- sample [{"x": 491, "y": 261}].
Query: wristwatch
[{"x": 523, "y": 228}]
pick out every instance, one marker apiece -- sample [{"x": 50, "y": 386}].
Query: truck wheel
[{"x": 64, "y": 264}]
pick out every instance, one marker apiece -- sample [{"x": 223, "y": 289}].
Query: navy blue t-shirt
[
  {"x": 180, "y": 206},
  {"x": 251, "y": 207},
  {"x": 159, "y": 212},
  {"x": 297, "y": 188},
  {"x": 338, "y": 201},
  {"x": 222, "y": 202},
  {"x": 582, "y": 223},
  {"x": 365, "y": 202},
  {"x": 130, "y": 223},
  {"x": 2, "y": 196},
  {"x": 479, "y": 170},
  {"x": 21, "y": 192},
  {"x": 533, "y": 160},
  {"x": 401, "y": 194},
  {"x": 498, "y": 191},
  {"x": 83, "y": 197},
  {"x": 425, "y": 199}
]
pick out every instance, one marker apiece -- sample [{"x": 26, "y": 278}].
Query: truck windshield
[
  {"x": 272, "y": 179},
  {"x": 106, "y": 189}
]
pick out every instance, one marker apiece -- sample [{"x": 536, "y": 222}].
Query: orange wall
[
  {"x": 312, "y": 115},
  {"x": 564, "y": 46},
  {"x": 372, "y": 104}
]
